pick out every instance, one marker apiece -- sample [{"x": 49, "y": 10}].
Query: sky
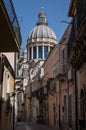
[{"x": 27, "y": 13}]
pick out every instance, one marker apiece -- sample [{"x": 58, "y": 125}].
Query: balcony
[
  {"x": 52, "y": 88},
  {"x": 70, "y": 77},
  {"x": 72, "y": 36},
  {"x": 10, "y": 37},
  {"x": 77, "y": 55},
  {"x": 80, "y": 12},
  {"x": 77, "y": 40},
  {"x": 60, "y": 70}
]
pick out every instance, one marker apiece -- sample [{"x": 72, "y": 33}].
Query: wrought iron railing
[
  {"x": 77, "y": 22},
  {"x": 80, "y": 11},
  {"x": 72, "y": 36},
  {"x": 13, "y": 18},
  {"x": 60, "y": 68}
]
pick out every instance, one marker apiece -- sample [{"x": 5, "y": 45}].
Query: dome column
[
  {"x": 48, "y": 49},
  {"x": 43, "y": 52},
  {"x": 37, "y": 51},
  {"x": 32, "y": 53}
]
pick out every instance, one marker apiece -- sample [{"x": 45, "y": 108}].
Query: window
[
  {"x": 34, "y": 52},
  {"x": 65, "y": 109},
  {"x": 8, "y": 83},
  {"x": 42, "y": 19},
  {"x": 62, "y": 53},
  {"x": 25, "y": 73},
  {"x": 7, "y": 103},
  {"x": 40, "y": 52},
  {"x": 70, "y": 111},
  {"x": 45, "y": 51}
]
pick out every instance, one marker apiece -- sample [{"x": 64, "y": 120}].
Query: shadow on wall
[{"x": 6, "y": 113}]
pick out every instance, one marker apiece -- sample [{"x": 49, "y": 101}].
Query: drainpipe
[
  {"x": 76, "y": 101},
  {"x": 67, "y": 101},
  {"x": 1, "y": 81},
  {"x": 85, "y": 106},
  {"x": 14, "y": 112},
  {"x": 59, "y": 106},
  {"x": 59, "y": 92}
]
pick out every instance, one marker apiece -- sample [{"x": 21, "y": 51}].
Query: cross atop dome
[
  {"x": 42, "y": 9},
  {"x": 42, "y": 17}
]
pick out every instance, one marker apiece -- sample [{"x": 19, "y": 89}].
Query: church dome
[
  {"x": 41, "y": 39},
  {"x": 41, "y": 30}
]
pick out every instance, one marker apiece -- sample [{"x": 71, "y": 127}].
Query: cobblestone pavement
[
  {"x": 22, "y": 126},
  {"x": 27, "y": 126}
]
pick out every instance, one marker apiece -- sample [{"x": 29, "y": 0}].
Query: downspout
[
  {"x": 13, "y": 111},
  {"x": 59, "y": 106},
  {"x": 76, "y": 102},
  {"x": 59, "y": 93},
  {"x": 15, "y": 70},
  {"x": 1, "y": 81}
]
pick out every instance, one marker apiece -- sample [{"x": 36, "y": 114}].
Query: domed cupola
[
  {"x": 42, "y": 18},
  {"x": 41, "y": 39}
]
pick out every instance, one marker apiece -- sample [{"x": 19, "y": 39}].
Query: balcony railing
[
  {"x": 52, "y": 89},
  {"x": 80, "y": 11},
  {"x": 60, "y": 70},
  {"x": 76, "y": 44},
  {"x": 13, "y": 18},
  {"x": 72, "y": 36},
  {"x": 70, "y": 76}
]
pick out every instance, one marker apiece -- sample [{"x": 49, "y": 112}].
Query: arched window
[
  {"x": 40, "y": 52},
  {"x": 34, "y": 52},
  {"x": 45, "y": 51},
  {"x": 42, "y": 19}
]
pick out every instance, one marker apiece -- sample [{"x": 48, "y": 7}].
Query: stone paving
[
  {"x": 27, "y": 126},
  {"x": 22, "y": 126}
]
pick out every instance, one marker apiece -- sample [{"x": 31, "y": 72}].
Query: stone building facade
[
  {"x": 10, "y": 41},
  {"x": 77, "y": 56}
]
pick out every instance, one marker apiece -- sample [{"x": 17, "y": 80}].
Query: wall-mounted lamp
[{"x": 66, "y": 22}]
